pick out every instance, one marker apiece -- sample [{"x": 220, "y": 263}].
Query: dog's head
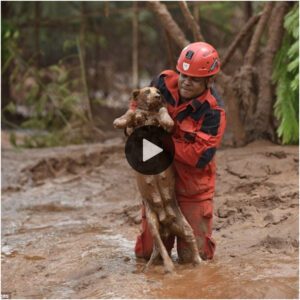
[{"x": 148, "y": 98}]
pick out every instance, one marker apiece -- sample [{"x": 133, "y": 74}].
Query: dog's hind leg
[
  {"x": 183, "y": 229},
  {"x": 154, "y": 256},
  {"x": 159, "y": 245}
]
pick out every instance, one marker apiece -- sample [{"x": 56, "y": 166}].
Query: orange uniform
[{"x": 199, "y": 127}]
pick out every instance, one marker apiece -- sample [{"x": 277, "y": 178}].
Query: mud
[{"x": 70, "y": 217}]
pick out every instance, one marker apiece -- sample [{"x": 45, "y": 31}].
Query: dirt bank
[{"x": 70, "y": 216}]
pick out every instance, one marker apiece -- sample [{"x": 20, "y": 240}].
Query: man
[{"x": 199, "y": 127}]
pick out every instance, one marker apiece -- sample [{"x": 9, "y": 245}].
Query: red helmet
[{"x": 198, "y": 60}]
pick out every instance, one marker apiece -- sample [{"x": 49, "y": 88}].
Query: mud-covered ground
[{"x": 70, "y": 217}]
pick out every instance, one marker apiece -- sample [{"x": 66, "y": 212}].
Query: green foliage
[
  {"x": 54, "y": 102},
  {"x": 9, "y": 37},
  {"x": 286, "y": 76}
]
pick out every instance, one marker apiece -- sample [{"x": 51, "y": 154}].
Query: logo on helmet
[
  {"x": 214, "y": 65},
  {"x": 189, "y": 54},
  {"x": 185, "y": 66}
]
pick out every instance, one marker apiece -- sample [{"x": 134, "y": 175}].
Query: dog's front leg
[
  {"x": 126, "y": 120},
  {"x": 154, "y": 227},
  {"x": 165, "y": 120}
]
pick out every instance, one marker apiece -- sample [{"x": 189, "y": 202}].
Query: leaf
[
  {"x": 11, "y": 108},
  {"x": 286, "y": 76}
]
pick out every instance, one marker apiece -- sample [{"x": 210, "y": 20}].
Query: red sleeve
[{"x": 201, "y": 150}]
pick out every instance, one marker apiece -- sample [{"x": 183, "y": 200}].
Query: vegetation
[
  {"x": 286, "y": 76},
  {"x": 67, "y": 66}
]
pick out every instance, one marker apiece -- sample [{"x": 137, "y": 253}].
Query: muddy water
[
  {"x": 68, "y": 259},
  {"x": 232, "y": 278},
  {"x": 71, "y": 234}
]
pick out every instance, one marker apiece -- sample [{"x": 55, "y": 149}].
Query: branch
[
  {"x": 168, "y": 23},
  {"x": 241, "y": 35},
  {"x": 192, "y": 24},
  {"x": 252, "y": 51}
]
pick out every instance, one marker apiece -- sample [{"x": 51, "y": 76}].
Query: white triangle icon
[{"x": 150, "y": 150}]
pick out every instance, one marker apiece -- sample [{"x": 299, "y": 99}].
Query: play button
[{"x": 149, "y": 150}]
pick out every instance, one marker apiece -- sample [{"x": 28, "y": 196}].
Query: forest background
[{"x": 68, "y": 68}]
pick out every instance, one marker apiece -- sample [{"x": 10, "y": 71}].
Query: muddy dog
[{"x": 158, "y": 191}]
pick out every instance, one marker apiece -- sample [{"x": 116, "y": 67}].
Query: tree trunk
[
  {"x": 192, "y": 24},
  {"x": 5, "y": 83},
  {"x": 37, "y": 14},
  {"x": 248, "y": 13},
  {"x": 263, "y": 115},
  {"x": 82, "y": 56},
  {"x": 106, "y": 9},
  {"x": 247, "y": 78},
  {"x": 135, "y": 43},
  {"x": 235, "y": 127},
  {"x": 168, "y": 23},
  {"x": 98, "y": 77},
  {"x": 196, "y": 12},
  {"x": 241, "y": 35},
  {"x": 261, "y": 26},
  {"x": 170, "y": 51}
]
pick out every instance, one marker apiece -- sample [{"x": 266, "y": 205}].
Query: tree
[{"x": 249, "y": 113}]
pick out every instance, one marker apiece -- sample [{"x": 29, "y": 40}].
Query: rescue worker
[{"x": 199, "y": 126}]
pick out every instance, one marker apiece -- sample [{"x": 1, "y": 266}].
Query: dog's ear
[{"x": 135, "y": 93}]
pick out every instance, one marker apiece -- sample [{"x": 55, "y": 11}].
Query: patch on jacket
[
  {"x": 211, "y": 122},
  {"x": 206, "y": 157}
]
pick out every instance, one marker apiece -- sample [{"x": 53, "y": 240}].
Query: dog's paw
[{"x": 197, "y": 260}]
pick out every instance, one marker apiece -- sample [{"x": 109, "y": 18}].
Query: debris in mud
[
  {"x": 55, "y": 167},
  {"x": 272, "y": 243},
  {"x": 225, "y": 212},
  {"x": 75, "y": 163},
  {"x": 8, "y": 251},
  {"x": 131, "y": 213},
  {"x": 51, "y": 207},
  {"x": 248, "y": 187},
  {"x": 232, "y": 172},
  {"x": 278, "y": 154},
  {"x": 11, "y": 189},
  {"x": 276, "y": 217},
  {"x": 34, "y": 257}
]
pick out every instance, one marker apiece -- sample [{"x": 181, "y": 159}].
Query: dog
[{"x": 158, "y": 191}]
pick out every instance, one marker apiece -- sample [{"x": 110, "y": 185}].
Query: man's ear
[
  {"x": 209, "y": 81},
  {"x": 135, "y": 93}
]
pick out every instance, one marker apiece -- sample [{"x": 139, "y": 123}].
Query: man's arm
[{"x": 197, "y": 149}]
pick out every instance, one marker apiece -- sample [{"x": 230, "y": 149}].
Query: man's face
[{"x": 191, "y": 87}]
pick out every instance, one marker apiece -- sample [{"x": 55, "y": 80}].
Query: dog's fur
[{"x": 158, "y": 191}]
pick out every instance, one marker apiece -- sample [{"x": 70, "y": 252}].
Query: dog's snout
[{"x": 157, "y": 96}]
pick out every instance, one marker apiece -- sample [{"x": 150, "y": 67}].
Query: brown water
[{"x": 72, "y": 235}]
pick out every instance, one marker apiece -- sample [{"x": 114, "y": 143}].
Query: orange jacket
[{"x": 198, "y": 131}]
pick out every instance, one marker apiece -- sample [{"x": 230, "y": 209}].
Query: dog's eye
[{"x": 147, "y": 92}]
